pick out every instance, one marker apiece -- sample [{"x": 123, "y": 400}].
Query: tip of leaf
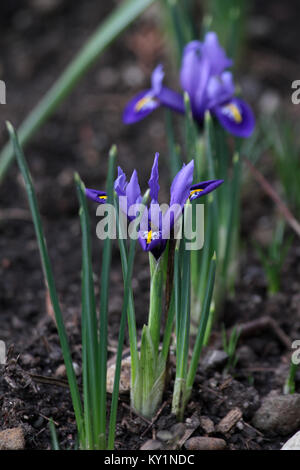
[
  {"x": 207, "y": 117},
  {"x": 207, "y": 21},
  {"x": 9, "y": 127},
  {"x": 236, "y": 158},
  {"x": 186, "y": 98},
  {"x": 146, "y": 196},
  {"x": 113, "y": 151},
  {"x": 76, "y": 177},
  {"x": 214, "y": 258},
  {"x": 210, "y": 198}
]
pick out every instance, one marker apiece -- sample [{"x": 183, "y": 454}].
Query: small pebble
[
  {"x": 278, "y": 414},
  {"x": 12, "y": 439},
  {"x": 205, "y": 443},
  {"x": 207, "y": 424},
  {"x": 152, "y": 445},
  {"x": 27, "y": 359},
  {"x": 77, "y": 369},
  {"x": 177, "y": 430},
  {"x": 60, "y": 371},
  {"x": 125, "y": 377},
  {"x": 164, "y": 435},
  {"x": 214, "y": 359}
]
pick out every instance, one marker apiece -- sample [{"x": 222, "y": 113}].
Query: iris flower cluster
[
  {"x": 204, "y": 76},
  {"x": 156, "y": 230}
]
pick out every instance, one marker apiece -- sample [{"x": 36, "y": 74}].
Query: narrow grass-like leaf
[
  {"x": 89, "y": 326},
  {"x": 53, "y": 435},
  {"x": 49, "y": 279},
  {"x": 104, "y": 293},
  {"x": 156, "y": 291},
  {"x": 201, "y": 330},
  {"x": 210, "y": 155},
  {"x": 202, "y": 258},
  {"x": 131, "y": 312},
  {"x": 179, "y": 24},
  {"x": 233, "y": 212},
  {"x": 290, "y": 386},
  {"x": 127, "y": 294},
  {"x": 191, "y": 133},
  {"x": 182, "y": 282},
  {"x": 168, "y": 329}
]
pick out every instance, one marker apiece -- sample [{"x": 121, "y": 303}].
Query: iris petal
[
  {"x": 171, "y": 99},
  {"x": 153, "y": 181},
  {"x": 97, "y": 196},
  {"x": 190, "y": 71},
  {"x": 203, "y": 188},
  {"x": 220, "y": 89},
  {"x": 236, "y": 117},
  {"x": 133, "y": 191},
  {"x": 157, "y": 79},
  {"x": 215, "y": 53},
  {"x": 140, "y": 106},
  {"x": 120, "y": 183},
  {"x": 180, "y": 188}
]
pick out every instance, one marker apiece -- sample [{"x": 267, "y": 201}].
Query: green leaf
[
  {"x": 53, "y": 435},
  {"x": 49, "y": 280},
  {"x": 201, "y": 329},
  {"x": 104, "y": 293},
  {"x": 127, "y": 296},
  {"x": 157, "y": 269},
  {"x": 89, "y": 328}
]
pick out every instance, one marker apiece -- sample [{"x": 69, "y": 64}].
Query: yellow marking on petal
[
  {"x": 235, "y": 112},
  {"x": 149, "y": 237},
  {"x": 102, "y": 197},
  {"x": 195, "y": 191},
  {"x": 142, "y": 103}
]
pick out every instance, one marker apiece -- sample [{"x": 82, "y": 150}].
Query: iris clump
[
  {"x": 169, "y": 262},
  {"x": 209, "y": 85}
]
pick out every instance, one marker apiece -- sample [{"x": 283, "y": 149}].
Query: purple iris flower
[
  {"x": 210, "y": 86},
  {"x": 156, "y": 226}
]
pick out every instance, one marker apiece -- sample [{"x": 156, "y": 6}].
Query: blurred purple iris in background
[
  {"x": 210, "y": 86},
  {"x": 155, "y": 226}
]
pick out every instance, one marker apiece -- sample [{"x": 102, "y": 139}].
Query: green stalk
[
  {"x": 134, "y": 357},
  {"x": 210, "y": 153},
  {"x": 128, "y": 307},
  {"x": 49, "y": 280},
  {"x": 289, "y": 387},
  {"x": 104, "y": 292},
  {"x": 182, "y": 328},
  {"x": 179, "y": 24},
  {"x": 203, "y": 260},
  {"x": 201, "y": 331},
  {"x": 233, "y": 208},
  {"x": 191, "y": 132},
  {"x": 148, "y": 388},
  {"x": 116, "y": 22},
  {"x": 53, "y": 435},
  {"x": 115, "y": 394},
  {"x": 168, "y": 329},
  {"x": 156, "y": 289},
  {"x": 89, "y": 327}
]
